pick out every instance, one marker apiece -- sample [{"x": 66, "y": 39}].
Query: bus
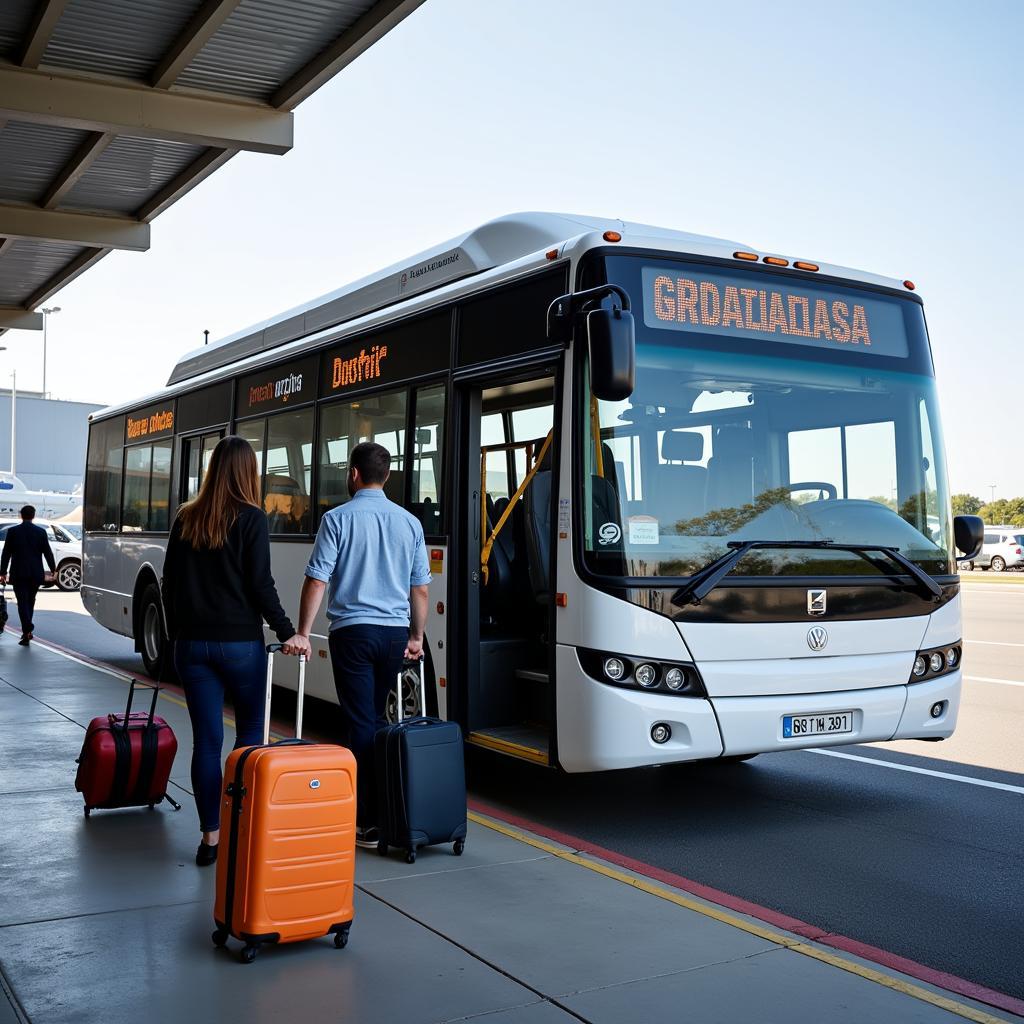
[{"x": 683, "y": 500}]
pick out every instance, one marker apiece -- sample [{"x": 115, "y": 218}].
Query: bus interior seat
[
  {"x": 611, "y": 468},
  {"x": 496, "y": 594},
  {"x": 681, "y": 490},
  {"x": 731, "y": 467},
  {"x": 394, "y": 486}
]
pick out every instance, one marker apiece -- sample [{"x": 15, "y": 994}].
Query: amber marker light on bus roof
[
  {"x": 552, "y": 254},
  {"x": 776, "y": 261},
  {"x": 745, "y": 256},
  {"x": 612, "y": 236},
  {"x": 802, "y": 265},
  {"x": 908, "y": 284}
]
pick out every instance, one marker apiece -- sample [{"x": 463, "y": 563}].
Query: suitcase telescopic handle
[
  {"x": 423, "y": 687},
  {"x": 271, "y": 649},
  {"x": 131, "y": 697}
]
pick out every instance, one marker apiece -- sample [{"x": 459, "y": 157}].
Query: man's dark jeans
[
  {"x": 25, "y": 595},
  {"x": 366, "y": 661}
]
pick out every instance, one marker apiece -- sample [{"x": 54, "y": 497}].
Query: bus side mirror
[
  {"x": 611, "y": 340},
  {"x": 968, "y": 535}
]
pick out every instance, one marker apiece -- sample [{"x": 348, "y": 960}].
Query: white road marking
[
  {"x": 919, "y": 771},
  {"x": 992, "y": 679},
  {"x": 994, "y": 643}
]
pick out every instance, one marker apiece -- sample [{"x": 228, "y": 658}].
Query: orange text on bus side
[
  {"x": 365, "y": 366},
  {"x": 702, "y": 303}
]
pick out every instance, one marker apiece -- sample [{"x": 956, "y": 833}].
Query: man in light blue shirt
[{"x": 370, "y": 556}]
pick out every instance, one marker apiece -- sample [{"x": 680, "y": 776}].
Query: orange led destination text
[
  {"x": 155, "y": 424},
  {"x": 283, "y": 389},
  {"x": 705, "y": 304},
  {"x": 365, "y": 366}
]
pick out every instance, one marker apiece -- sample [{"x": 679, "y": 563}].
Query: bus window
[
  {"x": 198, "y": 452},
  {"x": 135, "y": 503},
  {"x": 529, "y": 425},
  {"x": 343, "y": 425},
  {"x": 492, "y": 431},
  {"x": 287, "y": 473},
  {"x": 103, "y": 488},
  {"x": 254, "y": 431},
  {"x": 425, "y": 491},
  {"x": 160, "y": 486}
]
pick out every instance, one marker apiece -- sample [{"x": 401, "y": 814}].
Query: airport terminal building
[{"x": 51, "y": 439}]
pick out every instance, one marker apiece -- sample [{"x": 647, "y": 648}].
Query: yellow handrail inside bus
[
  {"x": 595, "y": 429},
  {"x": 527, "y": 446}
]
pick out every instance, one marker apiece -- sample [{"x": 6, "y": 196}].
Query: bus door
[
  {"x": 196, "y": 452},
  {"x": 508, "y": 489}
]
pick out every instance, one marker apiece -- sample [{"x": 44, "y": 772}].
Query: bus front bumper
[{"x": 603, "y": 727}]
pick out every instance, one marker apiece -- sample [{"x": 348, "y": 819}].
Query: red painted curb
[{"x": 929, "y": 975}]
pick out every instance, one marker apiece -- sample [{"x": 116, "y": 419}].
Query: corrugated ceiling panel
[
  {"x": 15, "y": 19},
  {"x": 27, "y": 266},
  {"x": 31, "y": 156},
  {"x": 264, "y": 42},
  {"x": 128, "y": 172},
  {"x": 117, "y": 37}
]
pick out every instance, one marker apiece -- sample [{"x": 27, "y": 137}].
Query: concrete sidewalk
[{"x": 109, "y": 919}]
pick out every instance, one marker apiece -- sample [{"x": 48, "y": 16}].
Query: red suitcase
[{"x": 126, "y": 759}]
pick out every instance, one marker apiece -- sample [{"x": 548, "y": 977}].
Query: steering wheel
[{"x": 815, "y": 485}]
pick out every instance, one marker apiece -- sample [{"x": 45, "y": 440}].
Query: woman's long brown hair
[{"x": 232, "y": 480}]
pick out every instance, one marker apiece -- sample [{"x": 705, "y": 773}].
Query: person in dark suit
[{"x": 25, "y": 547}]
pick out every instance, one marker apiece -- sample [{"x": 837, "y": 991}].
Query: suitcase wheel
[
  {"x": 382, "y": 848},
  {"x": 220, "y": 937},
  {"x": 458, "y": 846},
  {"x": 249, "y": 951},
  {"x": 410, "y": 857},
  {"x": 341, "y": 938}
]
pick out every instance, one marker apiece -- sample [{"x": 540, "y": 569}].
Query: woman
[{"x": 217, "y": 590}]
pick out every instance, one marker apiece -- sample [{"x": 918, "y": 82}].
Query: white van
[{"x": 1003, "y": 549}]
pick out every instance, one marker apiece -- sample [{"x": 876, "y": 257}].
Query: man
[
  {"x": 25, "y": 547},
  {"x": 371, "y": 557}
]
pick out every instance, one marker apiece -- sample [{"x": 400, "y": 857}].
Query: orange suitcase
[{"x": 289, "y": 809}]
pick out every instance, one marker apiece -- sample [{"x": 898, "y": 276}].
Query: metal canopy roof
[{"x": 111, "y": 110}]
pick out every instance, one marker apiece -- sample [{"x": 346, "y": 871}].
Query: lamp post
[
  {"x": 46, "y": 317},
  {"x": 992, "y": 488}
]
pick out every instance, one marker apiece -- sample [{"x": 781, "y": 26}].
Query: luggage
[
  {"x": 126, "y": 759},
  {"x": 289, "y": 813},
  {"x": 421, "y": 782},
  {"x": 3, "y": 608}
]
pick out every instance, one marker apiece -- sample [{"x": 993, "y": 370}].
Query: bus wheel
[{"x": 153, "y": 643}]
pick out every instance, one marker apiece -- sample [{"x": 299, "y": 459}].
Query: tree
[
  {"x": 1004, "y": 511},
  {"x": 966, "y": 505}
]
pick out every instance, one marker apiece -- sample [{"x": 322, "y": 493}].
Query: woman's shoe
[{"x": 206, "y": 855}]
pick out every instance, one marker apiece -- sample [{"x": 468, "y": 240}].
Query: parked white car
[
  {"x": 67, "y": 551},
  {"x": 1003, "y": 549}
]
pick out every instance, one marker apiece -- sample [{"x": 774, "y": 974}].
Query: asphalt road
[{"x": 923, "y": 865}]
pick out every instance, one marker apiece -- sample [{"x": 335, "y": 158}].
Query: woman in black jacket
[{"x": 217, "y": 590}]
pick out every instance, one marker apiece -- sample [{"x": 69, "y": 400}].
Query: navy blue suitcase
[{"x": 421, "y": 782}]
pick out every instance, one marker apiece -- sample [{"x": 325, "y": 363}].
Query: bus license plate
[{"x": 794, "y": 726}]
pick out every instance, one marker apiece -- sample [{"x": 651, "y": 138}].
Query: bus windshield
[{"x": 735, "y": 436}]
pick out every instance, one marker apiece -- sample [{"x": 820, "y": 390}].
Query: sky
[{"x": 879, "y": 135}]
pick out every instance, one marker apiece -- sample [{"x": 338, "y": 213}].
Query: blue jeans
[
  {"x": 366, "y": 661},
  {"x": 208, "y": 669}
]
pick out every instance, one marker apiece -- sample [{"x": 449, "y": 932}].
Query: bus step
[{"x": 532, "y": 675}]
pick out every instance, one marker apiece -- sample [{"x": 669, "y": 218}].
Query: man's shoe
[
  {"x": 368, "y": 837},
  {"x": 206, "y": 854},
  {"x": 25, "y": 638}
]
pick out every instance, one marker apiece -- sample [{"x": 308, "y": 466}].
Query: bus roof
[{"x": 494, "y": 244}]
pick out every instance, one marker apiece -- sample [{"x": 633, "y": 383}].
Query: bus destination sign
[
  {"x": 695, "y": 300},
  {"x": 156, "y": 421},
  {"x": 349, "y": 367},
  {"x": 277, "y": 387}
]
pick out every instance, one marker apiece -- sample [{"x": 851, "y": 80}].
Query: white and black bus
[{"x": 683, "y": 500}]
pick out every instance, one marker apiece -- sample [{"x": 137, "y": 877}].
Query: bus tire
[{"x": 154, "y": 646}]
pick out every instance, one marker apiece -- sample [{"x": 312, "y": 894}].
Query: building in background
[{"x": 51, "y": 438}]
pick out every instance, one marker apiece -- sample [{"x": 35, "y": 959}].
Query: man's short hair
[
  {"x": 28, "y": 512},
  {"x": 372, "y": 460}
]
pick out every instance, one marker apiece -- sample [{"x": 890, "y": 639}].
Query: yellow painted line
[
  {"x": 897, "y": 984},
  {"x": 479, "y": 739}
]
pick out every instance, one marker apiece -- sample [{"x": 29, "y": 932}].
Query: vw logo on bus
[{"x": 817, "y": 638}]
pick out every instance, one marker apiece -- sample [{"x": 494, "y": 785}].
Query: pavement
[{"x": 108, "y": 919}]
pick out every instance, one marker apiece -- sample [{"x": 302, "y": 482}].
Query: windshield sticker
[
  {"x": 609, "y": 533},
  {"x": 767, "y": 307},
  {"x": 643, "y": 530}
]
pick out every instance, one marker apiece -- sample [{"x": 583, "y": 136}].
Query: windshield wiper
[{"x": 705, "y": 580}]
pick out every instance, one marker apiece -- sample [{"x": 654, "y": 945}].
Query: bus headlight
[
  {"x": 951, "y": 657},
  {"x": 646, "y": 675},
  {"x": 675, "y": 679},
  {"x": 920, "y": 665},
  {"x": 614, "y": 669},
  {"x": 936, "y": 662}
]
